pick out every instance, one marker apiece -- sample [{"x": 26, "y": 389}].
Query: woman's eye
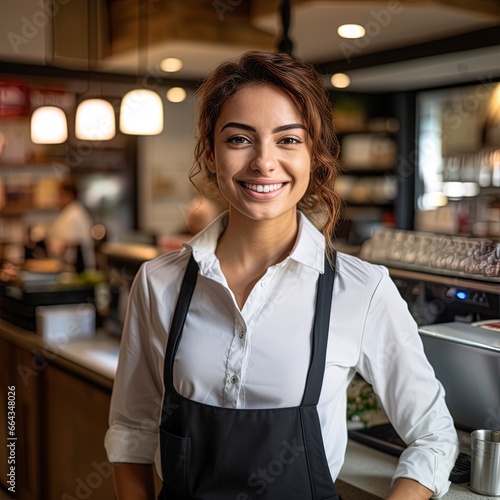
[
  {"x": 238, "y": 139},
  {"x": 290, "y": 140}
]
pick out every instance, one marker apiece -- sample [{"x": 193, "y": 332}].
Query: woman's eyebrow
[
  {"x": 282, "y": 128},
  {"x": 248, "y": 128}
]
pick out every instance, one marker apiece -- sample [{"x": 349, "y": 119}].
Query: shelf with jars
[{"x": 368, "y": 153}]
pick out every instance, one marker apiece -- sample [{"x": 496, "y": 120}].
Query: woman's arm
[
  {"x": 394, "y": 362},
  {"x": 132, "y": 438},
  {"x": 407, "y": 489},
  {"x": 134, "y": 481}
]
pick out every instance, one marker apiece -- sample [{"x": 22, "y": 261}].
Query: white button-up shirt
[{"x": 258, "y": 357}]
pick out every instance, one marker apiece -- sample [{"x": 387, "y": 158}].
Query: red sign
[{"x": 14, "y": 100}]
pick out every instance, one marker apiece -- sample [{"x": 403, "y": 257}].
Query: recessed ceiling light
[
  {"x": 340, "y": 80},
  {"x": 176, "y": 94},
  {"x": 351, "y": 31},
  {"x": 171, "y": 65}
]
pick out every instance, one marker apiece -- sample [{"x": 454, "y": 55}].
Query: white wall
[{"x": 164, "y": 162}]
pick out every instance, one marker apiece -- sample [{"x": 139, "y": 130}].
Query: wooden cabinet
[
  {"x": 75, "y": 422},
  {"x": 20, "y": 371},
  {"x": 28, "y": 423},
  {"x": 61, "y": 420},
  {"x": 6, "y": 380}
]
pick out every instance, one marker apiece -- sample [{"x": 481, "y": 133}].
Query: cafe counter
[{"x": 62, "y": 399}]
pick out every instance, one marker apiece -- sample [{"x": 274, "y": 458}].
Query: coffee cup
[{"x": 485, "y": 462}]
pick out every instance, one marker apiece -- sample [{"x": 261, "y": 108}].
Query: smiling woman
[
  {"x": 238, "y": 349},
  {"x": 279, "y": 80}
]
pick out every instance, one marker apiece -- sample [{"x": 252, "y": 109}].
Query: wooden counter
[{"x": 62, "y": 395}]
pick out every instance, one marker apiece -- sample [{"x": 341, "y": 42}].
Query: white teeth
[{"x": 262, "y": 188}]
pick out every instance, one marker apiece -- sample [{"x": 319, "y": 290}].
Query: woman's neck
[
  {"x": 257, "y": 244},
  {"x": 247, "y": 248}
]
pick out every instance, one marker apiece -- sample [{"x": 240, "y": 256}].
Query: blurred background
[{"x": 96, "y": 142}]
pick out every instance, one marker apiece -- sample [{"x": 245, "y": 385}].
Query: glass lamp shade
[
  {"x": 48, "y": 125},
  {"x": 95, "y": 120},
  {"x": 141, "y": 113}
]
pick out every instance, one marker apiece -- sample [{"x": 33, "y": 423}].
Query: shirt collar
[
  {"x": 309, "y": 249},
  {"x": 203, "y": 245}
]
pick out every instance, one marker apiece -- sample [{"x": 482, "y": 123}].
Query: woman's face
[{"x": 261, "y": 154}]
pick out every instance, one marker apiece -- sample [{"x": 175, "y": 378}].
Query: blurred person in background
[{"x": 69, "y": 237}]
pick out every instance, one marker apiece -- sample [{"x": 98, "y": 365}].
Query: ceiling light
[
  {"x": 176, "y": 94},
  {"x": 171, "y": 65},
  {"x": 340, "y": 80},
  {"x": 141, "y": 113},
  {"x": 49, "y": 125},
  {"x": 351, "y": 31},
  {"x": 95, "y": 120}
]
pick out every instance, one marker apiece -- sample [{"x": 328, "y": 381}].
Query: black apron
[{"x": 214, "y": 453}]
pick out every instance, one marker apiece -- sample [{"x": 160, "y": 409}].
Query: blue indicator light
[{"x": 459, "y": 294}]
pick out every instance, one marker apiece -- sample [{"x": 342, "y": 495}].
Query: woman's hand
[
  {"x": 134, "y": 481},
  {"x": 408, "y": 489}
]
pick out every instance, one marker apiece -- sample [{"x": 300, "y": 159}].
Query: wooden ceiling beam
[
  {"x": 177, "y": 20},
  {"x": 488, "y": 7}
]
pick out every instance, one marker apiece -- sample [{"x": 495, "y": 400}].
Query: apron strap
[
  {"x": 321, "y": 329},
  {"x": 181, "y": 310}
]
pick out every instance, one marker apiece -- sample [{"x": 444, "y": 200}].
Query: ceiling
[{"x": 202, "y": 33}]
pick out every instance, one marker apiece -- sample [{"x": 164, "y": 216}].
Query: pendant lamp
[
  {"x": 141, "y": 113},
  {"x": 49, "y": 125},
  {"x": 141, "y": 110},
  {"x": 95, "y": 120},
  {"x": 95, "y": 117}
]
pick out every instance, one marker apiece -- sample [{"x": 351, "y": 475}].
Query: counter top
[
  {"x": 99, "y": 354},
  {"x": 366, "y": 474},
  {"x": 94, "y": 358}
]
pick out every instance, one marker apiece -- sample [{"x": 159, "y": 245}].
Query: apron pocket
[{"x": 174, "y": 453}]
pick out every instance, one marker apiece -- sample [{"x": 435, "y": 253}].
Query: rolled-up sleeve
[
  {"x": 393, "y": 361},
  {"x": 137, "y": 391}
]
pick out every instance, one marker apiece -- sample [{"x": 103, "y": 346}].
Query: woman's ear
[{"x": 210, "y": 161}]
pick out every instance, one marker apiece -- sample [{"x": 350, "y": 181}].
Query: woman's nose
[{"x": 264, "y": 160}]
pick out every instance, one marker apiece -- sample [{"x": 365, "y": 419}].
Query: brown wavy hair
[{"x": 305, "y": 87}]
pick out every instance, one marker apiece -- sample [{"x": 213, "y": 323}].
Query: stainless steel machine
[{"x": 442, "y": 278}]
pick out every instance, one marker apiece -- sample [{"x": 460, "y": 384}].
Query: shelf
[
  {"x": 341, "y": 133},
  {"x": 367, "y": 171},
  {"x": 13, "y": 209},
  {"x": 384, "y": 205},
  {"x": 490, "y": 190},
  {"x": 30, "y": 165}
]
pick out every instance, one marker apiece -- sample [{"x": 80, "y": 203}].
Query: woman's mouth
[{"x": 262, "y": 188}]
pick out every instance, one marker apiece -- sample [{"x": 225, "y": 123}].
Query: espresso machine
[{"x": 442, "y": 278}]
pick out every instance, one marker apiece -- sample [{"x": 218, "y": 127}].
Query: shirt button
[
  {"x": 242, "y": 334},
  {"x": 234, "y": 379}
]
